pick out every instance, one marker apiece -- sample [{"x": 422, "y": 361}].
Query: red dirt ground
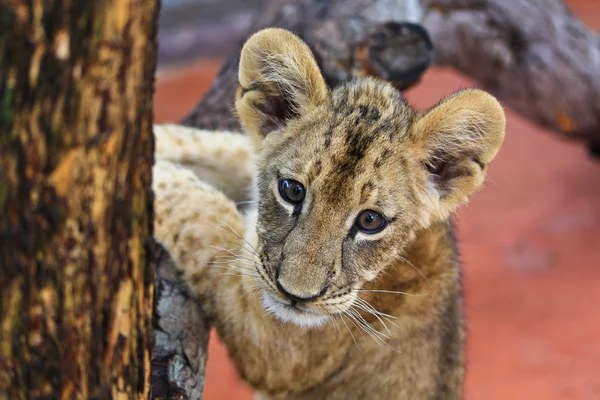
[{"x": 530, "y": 246}]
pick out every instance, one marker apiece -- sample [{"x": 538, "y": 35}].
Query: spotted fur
[{"x": 312, "y": 307}]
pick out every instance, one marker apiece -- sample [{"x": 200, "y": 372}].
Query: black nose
[{"x": 297, "y": 299}]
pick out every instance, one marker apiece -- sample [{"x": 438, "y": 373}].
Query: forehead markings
[
  {"x": 358, "y": 143},
  {"x": 318, "y": 167},
  {"x": 315, "y": 169},
  {"x": 361, "y": 135},
  {"x": 365, "y": 192},
  {"x": 390, "y": 127},
  {"x": 382, "y": 157},
  {"x": 328, "y": 136},
  {"x": 369, "y": 113}
]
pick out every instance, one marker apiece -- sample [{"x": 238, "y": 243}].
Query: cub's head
[{"x": 347, "y": 177}]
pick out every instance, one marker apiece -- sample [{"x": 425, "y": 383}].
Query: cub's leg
[
  {"x": 223, "y": 159},
  {"x": 190, "y": 218},
  {"x": 193, "y": 220}
]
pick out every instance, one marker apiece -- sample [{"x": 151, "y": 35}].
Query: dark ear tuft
[{"x": 277, "y": 111}]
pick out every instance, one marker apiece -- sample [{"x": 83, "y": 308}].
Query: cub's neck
[{"x": 424, "y": 281}]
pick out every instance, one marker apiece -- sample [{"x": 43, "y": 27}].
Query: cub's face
[{"x": 347, "y": 177}]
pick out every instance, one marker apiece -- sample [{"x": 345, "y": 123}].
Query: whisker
[
  {"x": 246, "y": 275},
  {"x": 253, "y": 251},
  {"x": 239, "y": 261},
  {"x": 233, "y": 260},
  {"x": 254, "y": 272},
  {"x": 231, "y": 268},
  {"x": 368, "y": 324},
  {"x": 236, "y": 253},
  {"x": 369, "y": 328},
  {"x": 391, "y": 291},
  {"x": 385, "y": 316},
  {"x": 353, "y": 320},
  {"x": 230, "y": 251},
  {"x": 358, "y": 324},
  {"x": 254, "y": 294},
  {"x": 375, "y": 334},
  {"x": 374, "y": 312},
  {"x": 241, "y": 203},
  {"x": 349, "y": 331},
  {"x": 252, "y": 291},
  {"x": 336, "y": 324},
  {"x": 242, "y": 250},
  {"x": 242, "y": 246},
  {"x": 251, "y": 287},
  {"x": 415, "y": 268},
  {"x": 234, "y": 256},
  {"x": 365, "y": 302},
  {"x": 238, "y": 235}
]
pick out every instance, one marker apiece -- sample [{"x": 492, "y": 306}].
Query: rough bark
[
  {"x": 76, "y": 150},
  {"x": 181, "y": 335},
  {"x": 534, "y": 55}
]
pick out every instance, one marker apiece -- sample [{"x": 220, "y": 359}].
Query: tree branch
[
  {"x": 181, "y": 337},
  {"x": 534, "y": 55}
]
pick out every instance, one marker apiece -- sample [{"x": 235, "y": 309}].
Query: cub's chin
[{"x": 292, "y": 314}]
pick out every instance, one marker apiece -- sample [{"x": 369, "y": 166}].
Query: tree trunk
[{"x": 76, "y": 151}]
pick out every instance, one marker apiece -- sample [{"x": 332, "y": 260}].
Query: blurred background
[{"x": 530, "y": 242}]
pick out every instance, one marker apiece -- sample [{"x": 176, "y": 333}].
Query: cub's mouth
[
  {"x": 305, "y": 312},
  {"x": 288, "y": 311}
]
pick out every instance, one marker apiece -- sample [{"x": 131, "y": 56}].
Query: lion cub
[{"x": 342, "y": 281}]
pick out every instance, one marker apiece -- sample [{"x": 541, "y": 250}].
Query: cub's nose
[{"x": 299, "y": 299}]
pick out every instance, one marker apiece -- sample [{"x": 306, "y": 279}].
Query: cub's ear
[
  {"x": 279, "y": 80},
  {"x": 455, "y": 142}
]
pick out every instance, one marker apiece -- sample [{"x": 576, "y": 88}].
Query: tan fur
[
  {"x": 223, "y": 159},
  {"x": 276, "y": 63},
  {"x": 386, "y": 308}
]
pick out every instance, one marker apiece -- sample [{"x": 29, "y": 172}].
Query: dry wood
[
  {"x": 534, "y": 55},
  {"x": 181, "y": 333},
  {"x": 76, "y": 150}
]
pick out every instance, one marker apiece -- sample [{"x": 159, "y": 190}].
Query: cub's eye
[
  {"x": 370, "y": 222},
  {"x": 292, "y": 191}
]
